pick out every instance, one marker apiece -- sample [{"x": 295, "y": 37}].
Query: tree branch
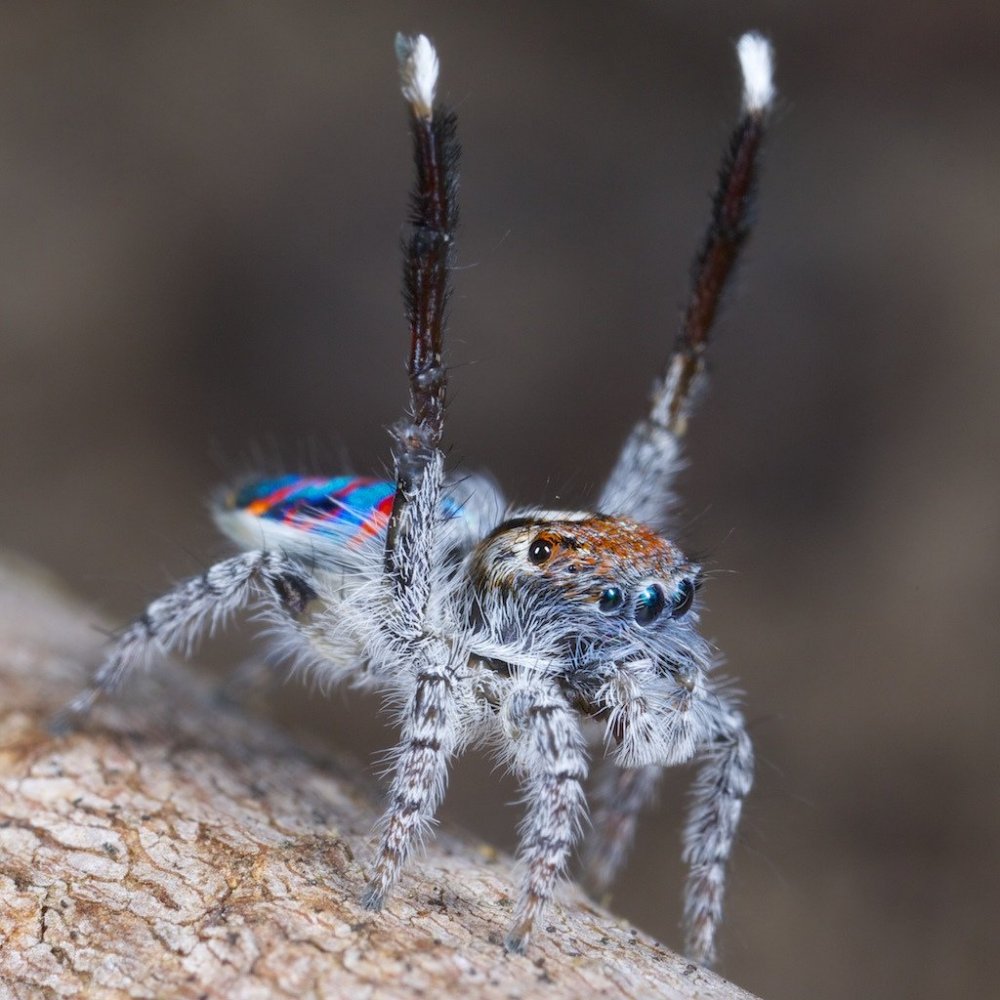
[{"x": 174, "y": 847}]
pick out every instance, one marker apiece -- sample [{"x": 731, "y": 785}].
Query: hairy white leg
[
  {"x": 430, "y": 716},
  {"x": 720, "y": 788},
  {"x": 549, "y": 754},
  {"x": 421, "y": 772},
  {"x": 176, "y": 621},
  {"x": 641, "y": 483},
  {"x": 620, "y": 795}
]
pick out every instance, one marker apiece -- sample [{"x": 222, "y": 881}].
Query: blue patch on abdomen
[{"x": 348, "y": 508}]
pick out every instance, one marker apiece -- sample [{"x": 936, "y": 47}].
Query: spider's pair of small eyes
[{"x": 651, "y": 602}]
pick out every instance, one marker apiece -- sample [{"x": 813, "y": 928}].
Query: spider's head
[{"x": 582, "y": 587}]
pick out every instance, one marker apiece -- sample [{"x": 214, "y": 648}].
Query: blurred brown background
[{"x": 201, "y": 209}]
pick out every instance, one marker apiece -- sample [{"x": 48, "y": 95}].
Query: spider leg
[
  {"x": 430, "y": 732},
  {"x": 430, "y": 718},
  {"x": 620, "y": 794},
  {"x": 177, "y": 620},
  {"x": 427, "y": 257},
  {"x": 549, "y": 753},
  {"x": 657, "y": 721},
  {"x": 720, "y": 788},
  {"x": 641, "y": 481}
]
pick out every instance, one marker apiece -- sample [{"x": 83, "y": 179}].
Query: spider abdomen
[
  {"x": 333, "y": 519},
  {"x": 347, "y": 508}
]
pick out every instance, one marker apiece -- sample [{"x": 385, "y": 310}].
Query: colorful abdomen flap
[
  {"x": 346, "y": 508},
  {"x": 323, "y": 518}
]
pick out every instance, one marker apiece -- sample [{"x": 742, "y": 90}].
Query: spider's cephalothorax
[
  {"x": 496, "y": 626},
  {"x": 577, "y": 589}
]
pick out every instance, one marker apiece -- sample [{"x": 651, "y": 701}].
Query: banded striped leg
[
  {"x": 620, "y": 795},
  {"x": 429, "y": 723},
  {"x": 550, "y": 755},
  {"x": 420, "y": 774},
  {"x": 640, "y": 483},
  {"x": 721, "y": 786},
  {"x": 176, "y": 621}
]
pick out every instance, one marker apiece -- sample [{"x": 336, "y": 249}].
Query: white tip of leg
[
  {"x": 418, "y": 68},
  {"x": 757, "y": 64}
]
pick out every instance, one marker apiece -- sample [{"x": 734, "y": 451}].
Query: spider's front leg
[
  {"x": 406, "y": 637},
  {"x": 430, "y": 731},
  {"x": 723, "y": 782},
  {"x": 549, "y": 753}
]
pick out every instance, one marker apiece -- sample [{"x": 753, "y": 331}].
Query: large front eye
[
  {"x": 611, "y": 600},
  {"x": 683, "y": 599},
  {"x": 649, "y": 605},
  {"x": 539, "y": 550}
]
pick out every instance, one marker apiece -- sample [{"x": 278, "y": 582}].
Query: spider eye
[
  {"x": 611, "y": 600},
  {"x": 539, "y": 551},
  {"x": 649, "y": 605},
  {"x": 683, "y": 599}
]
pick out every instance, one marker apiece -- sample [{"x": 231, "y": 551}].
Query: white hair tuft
[
  {"x": 757, "y": 64},
  {"x": 418, "y": 68}
]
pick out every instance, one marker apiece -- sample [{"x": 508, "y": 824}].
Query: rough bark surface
[{"x": 178, "y": 848}]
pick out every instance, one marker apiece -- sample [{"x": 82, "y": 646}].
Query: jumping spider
[{"x": 498, "y": 626}]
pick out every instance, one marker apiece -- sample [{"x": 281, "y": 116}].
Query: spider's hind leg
[
  {"x": 177, "y": 620},
  {"x": 641, "y": 483}
]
